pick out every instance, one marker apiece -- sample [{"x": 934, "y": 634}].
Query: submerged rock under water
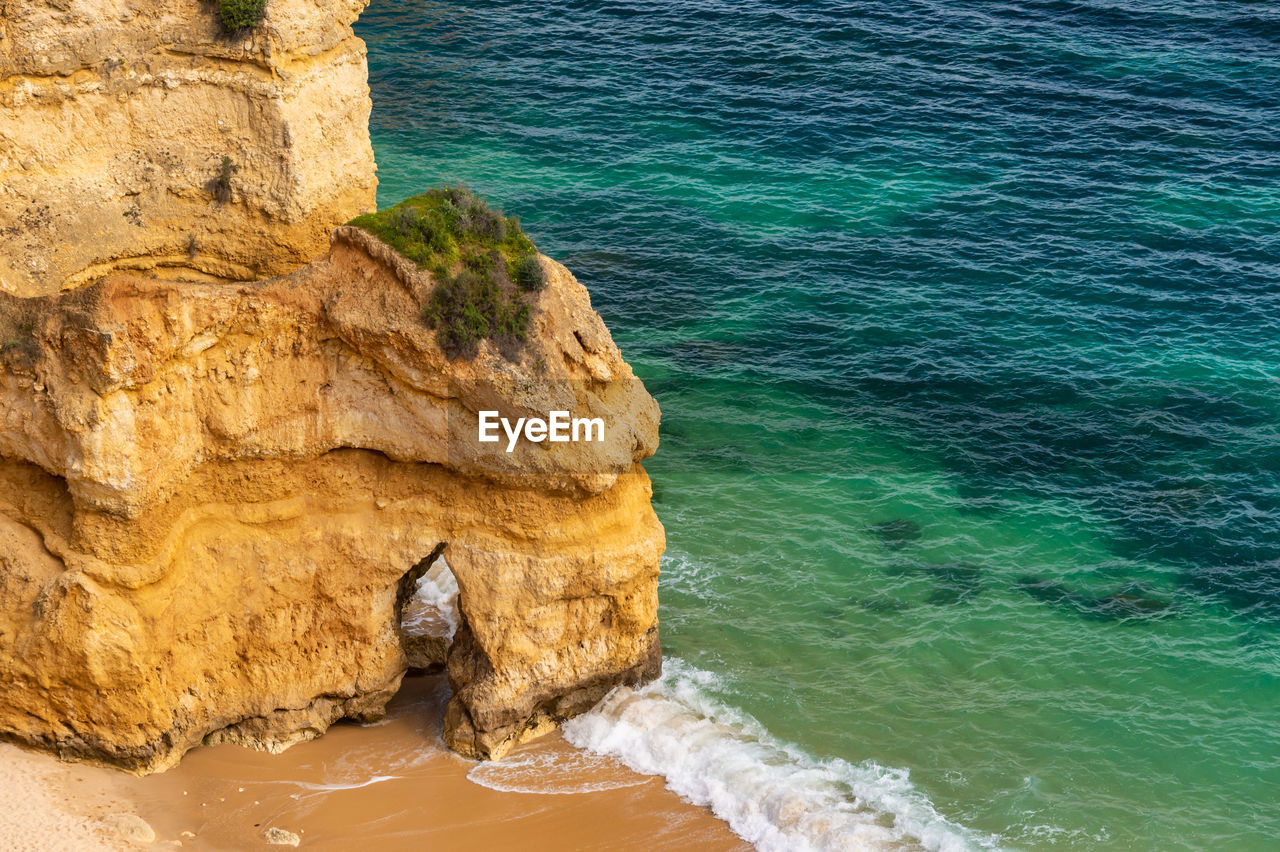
[
  {"x": 954, "y": 582},
  {"x": 1123, "y": 605},
  {"x": 897, "y": 533}
]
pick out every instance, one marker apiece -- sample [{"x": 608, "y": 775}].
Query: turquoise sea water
[{"x": 965, "y": 322}]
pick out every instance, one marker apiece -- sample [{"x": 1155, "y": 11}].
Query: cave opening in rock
[{"x": 427, "y": 612}]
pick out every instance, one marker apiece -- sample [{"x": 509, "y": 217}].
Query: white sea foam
[
  {"x": 434, "y": 609},
  {"x": 330, "y": 788},
  {"x": 553, "y": 774},
  {"x": 771, "y": 793}
]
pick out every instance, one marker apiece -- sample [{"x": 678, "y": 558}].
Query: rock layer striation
[
  {"x": 215, "y": 494},
  {"x": 116, "y": 117}
]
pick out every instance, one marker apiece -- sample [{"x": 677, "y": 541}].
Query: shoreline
[{"x": 392, "y": 783}]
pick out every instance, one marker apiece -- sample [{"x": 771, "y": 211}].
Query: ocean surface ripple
[{"x": 965, "y": 322}]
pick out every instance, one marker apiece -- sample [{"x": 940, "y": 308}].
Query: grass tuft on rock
[
  {"x": 222, "y": 189},
  {"x": 240, "y": 15},
  {"x": 529, "y": 274},
  {"x": 17, "y": 333},
  {"x": 482, "y": 263}
]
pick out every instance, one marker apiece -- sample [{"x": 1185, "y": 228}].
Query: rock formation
[
  {"x": 222, "y": 470},
  {"x": 115, "y": 119}
]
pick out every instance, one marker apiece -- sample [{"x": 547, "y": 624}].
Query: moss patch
[{"x": 483, "y": 263}]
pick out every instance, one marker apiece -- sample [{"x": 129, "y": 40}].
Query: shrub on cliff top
[
  {"x": 437, "y": 228},
  {"x": 240, "y": 15},
  {"x": 529, "y": 274},
  {"x": 468, "y": 307},
  {"x": 481, "y": 262}
]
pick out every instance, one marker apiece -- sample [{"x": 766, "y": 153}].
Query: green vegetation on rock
[
  {"x": 240, "y": 15},
  {"x": 481, "y": 262},
  {"x": 16, "y": 332},
  {"x": 529, "y": 274},
  {"x": 222, "y": 183}
]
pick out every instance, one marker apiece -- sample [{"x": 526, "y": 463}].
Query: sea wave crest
[{"x": 771, "y": 793}]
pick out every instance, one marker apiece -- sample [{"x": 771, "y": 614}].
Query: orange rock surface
[{"x": 214, "y": 492}]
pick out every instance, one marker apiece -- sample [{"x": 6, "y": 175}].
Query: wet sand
[{"x": 394, "y": 786}]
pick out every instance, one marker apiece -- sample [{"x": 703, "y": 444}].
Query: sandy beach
[
  {"x": 50, "y": 806},
  {"x": 392, "y": 784}
]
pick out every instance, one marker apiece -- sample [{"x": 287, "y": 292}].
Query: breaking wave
[
  {"x": 433, "y": 609},
  {"x": 771, "y": 793}
]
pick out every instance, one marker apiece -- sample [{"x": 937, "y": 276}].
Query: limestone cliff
[
  {"x": 217, "y": 492},
  {"x": 115, "y": 119}
]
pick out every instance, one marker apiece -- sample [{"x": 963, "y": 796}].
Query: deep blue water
[{"x": 965, "y": 322}]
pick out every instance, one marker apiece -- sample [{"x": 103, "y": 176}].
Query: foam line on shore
[
  {"x": 553, "y": 774},
  {"x": 770, "y": 793}
]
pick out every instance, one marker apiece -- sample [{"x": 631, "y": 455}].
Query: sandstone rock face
[
  {"x": 115, "y": 117},
  {"x": 216, "y": 494}
]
